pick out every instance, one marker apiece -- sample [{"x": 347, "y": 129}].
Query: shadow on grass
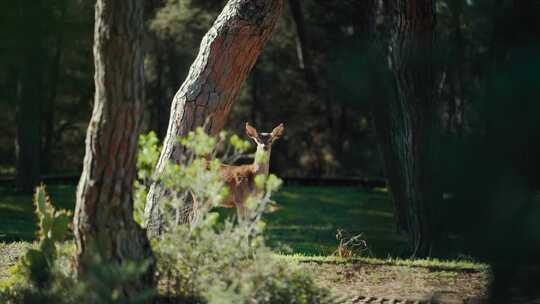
[
  {"x": 305, "y": 221},
  {"x": 17, "y": 219},
  {"x": 307, "y": 218}
]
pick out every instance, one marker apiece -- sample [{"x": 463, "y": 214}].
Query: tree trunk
[
  {"x": 104, "y": 224},
  {"x": 227, "y": 53},
  {"x": 30, "y": 96},
  {"x": 49, "y": 113},
  {"x": 313, "y": 81},
  {"x": 454, "y": 108},
  {"x": 302, "y": 43},
  {"x": 407, "y": 124}
]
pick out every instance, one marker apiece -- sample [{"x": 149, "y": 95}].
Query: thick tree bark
[
  {"x": 29, "y": 98},
  {"x": 227, "y": 54},
  {"x": 407, "y": 124},
  {"x": 104, "y": 224}
]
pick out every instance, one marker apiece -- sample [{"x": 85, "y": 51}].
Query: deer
[{"x": 240, "y": 179}]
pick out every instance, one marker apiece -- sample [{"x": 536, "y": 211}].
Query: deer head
[{"x": 264, "y": 143}]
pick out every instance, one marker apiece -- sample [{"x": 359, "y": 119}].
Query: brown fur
[
  {"x": 241, "y": 183},
  {"x": 241, "y": 179}
]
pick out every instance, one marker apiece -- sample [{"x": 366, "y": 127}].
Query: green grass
[
  {"x": 7, "y": 170},
  {"x": 18, "y": 222},
  {"x": 308, "y": 217},
  {"x": 305, "y": 221},
  {"x": 432, "y": 264}
]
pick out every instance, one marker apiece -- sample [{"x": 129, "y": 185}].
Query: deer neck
[{"x": 261, "y": 163}]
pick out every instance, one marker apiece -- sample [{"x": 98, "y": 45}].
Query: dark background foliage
[{"x": 487, "y": 108}]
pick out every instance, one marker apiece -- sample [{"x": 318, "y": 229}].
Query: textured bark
[
  {"x": 104, "y": 224},
  {"x": 407, "y": 124},
  {"x": 384, "y": 86},
  {"x": 227, "y": 54},
  {"x": 30, "y": 95}
]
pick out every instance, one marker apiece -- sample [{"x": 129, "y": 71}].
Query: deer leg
[{"x": 241, "y": 212}]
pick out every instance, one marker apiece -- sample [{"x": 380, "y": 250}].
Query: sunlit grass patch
[
  {"x": 307, "y": 219},
  {"x": 9, "y": 254},
  {"x": 433, "y": 264}
]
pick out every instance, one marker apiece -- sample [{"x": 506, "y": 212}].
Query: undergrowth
[{"x": 205, "y": 261}]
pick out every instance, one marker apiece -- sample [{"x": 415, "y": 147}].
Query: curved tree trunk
[
  {"x": 407, "y": 124},
  {"x": 104, "y": 224},
  {"x": 227, "y": 53}
]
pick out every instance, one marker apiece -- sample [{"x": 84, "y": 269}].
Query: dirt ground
[{"x": 363, "y": 283}]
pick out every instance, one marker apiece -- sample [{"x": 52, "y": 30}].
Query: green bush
[
  {"x": 45, "y": 274},
  {"x": 208, "y": 261},
  {"x": 214, "y": 262},
  {"x": 35, "y": 267},
  {"x": 217, "y": 265},
  {"x": 102, "y": 284}
]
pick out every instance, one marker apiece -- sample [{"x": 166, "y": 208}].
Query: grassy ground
[
  {"x": 305, "y": 221},
  {"x": 303, "y": 228},
  {"x": 17, "y": 221},
  {"x": 429, "y": 280}
]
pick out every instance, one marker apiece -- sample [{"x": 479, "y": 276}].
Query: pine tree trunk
[
  {"x": 49, "y": 111},
  {"x": 104, "y": 224},
  {"x": 227, "y": 54},
  {"x": 30, "y": 95},
  {"x": 407, "y": 124}
]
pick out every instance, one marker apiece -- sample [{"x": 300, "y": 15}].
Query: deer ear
[
  {"x": 278, "y": 131},
  {"x": 251, "y": 131}
]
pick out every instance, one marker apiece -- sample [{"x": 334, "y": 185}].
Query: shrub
[
  {"x": 208, "y": 261},
  {"x": 214, "y": 263},
  {"x": 35, "y": 267},
  {"x": 221, "y": 262},
  {"x": 45, "y": 274}
]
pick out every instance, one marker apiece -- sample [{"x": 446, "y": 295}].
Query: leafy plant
[
  {"x": 209, "y": 261},
  {"x": 147, "y": 159},
  {"x": 53, "y": 228},
  {"x": 350, "y": 246},
  {"x": 213, "y": 261},
  {"x": 45, "y": 274},
  {"x": 104, "y": 282}
]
